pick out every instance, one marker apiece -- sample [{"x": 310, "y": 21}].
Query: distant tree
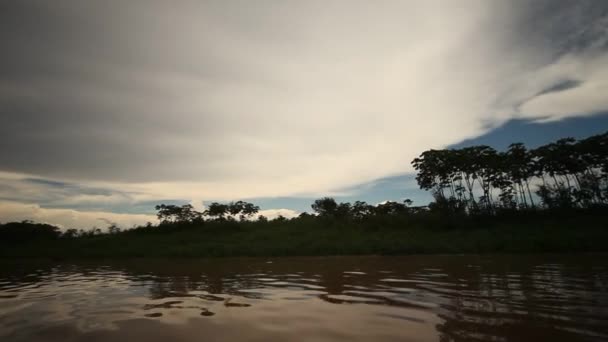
[
  {"x": 217, "y": 210},
  {"x": 361, "y": 210},
  {"x": 93, "y": 231},
  {"x": 27, "y": 230},
  {"x": 248, "y": 210},
  {"x": 305, "y": 216},
  {"x": 113, "y": 229},
  {"x": 70, "y": 233},
  {"x": 168, "y": 213},
  {"x": 391, "y": 208},
  {"x": 234, "y": 208},
  {"x": 325, "y": 206},
  {"x": 262, "y": 218},
  {"x": 244, "y": 210},
  {"x": 343, "y": 210},
  {"x": 241, "y": 209},
  {"x": 280, "y": 218}
]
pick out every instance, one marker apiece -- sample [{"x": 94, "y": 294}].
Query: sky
[{"x": 110, "y": 107}]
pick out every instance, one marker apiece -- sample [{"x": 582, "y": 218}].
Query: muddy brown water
[{"x": 412, "y": 298}]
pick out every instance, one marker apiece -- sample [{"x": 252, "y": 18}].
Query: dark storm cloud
[{"x": 74, "y": 100}]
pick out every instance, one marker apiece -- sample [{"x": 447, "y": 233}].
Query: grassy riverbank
[{"x": 538, "y": 232}]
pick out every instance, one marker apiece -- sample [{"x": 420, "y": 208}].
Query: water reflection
[{"x": 421, "y": 298}]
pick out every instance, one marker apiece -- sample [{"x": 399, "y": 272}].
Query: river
[{"x": 410, "y": 298}]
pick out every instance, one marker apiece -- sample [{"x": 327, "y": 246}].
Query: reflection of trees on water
[
  {"x": 476, "y": 299},
  {"x": 551, "y": 302}
]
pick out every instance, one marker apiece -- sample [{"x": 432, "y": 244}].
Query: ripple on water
[{"x": 449, "y": 298}]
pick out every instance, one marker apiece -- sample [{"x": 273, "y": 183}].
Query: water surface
[{"x": 416, "y": 298}]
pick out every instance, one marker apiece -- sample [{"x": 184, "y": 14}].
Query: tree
[
  {"x": 325, "y": 206},
  {"x": 343, "y": 210},
  {"x": 168, "y": 213},
  {"x": 573, "y": 174},
  {"x": 249, "y": 209},
  {"x": 305, "y": 216},
  {"x": 217, "y": 210},
  {"x": 262, "y": 218},
  {"x": 70, "y": 233},
  {"x": 280, "y": 218},
  {"x": 519, "y": 165},
  {"x": 361, "y": 210},
  {"x": 244, "y": 210},
  {"x": 391, "y": 208},
  {"x": 113, "y": 229}
]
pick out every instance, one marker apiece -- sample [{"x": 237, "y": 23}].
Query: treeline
[
  {"x": 323, "y": 208},
  {"x": 15, "y": 232},
  {"x": 168, "y": 213},
  {"x": 567, "y": 173},
  {"x": 470, "y": 185},
  {"x": 180, "y": 217}
]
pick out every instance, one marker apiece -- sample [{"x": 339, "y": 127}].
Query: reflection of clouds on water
[{"x": 455, "y": 298}]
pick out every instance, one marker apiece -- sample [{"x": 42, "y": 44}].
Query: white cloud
[
  {"x": 586, "y": 99},
  {"x": 67, "y": 218},
  {"x": 274, "y": 213}
]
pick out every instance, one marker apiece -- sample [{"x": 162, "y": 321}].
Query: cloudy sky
[{"x": 109, "y": 107}]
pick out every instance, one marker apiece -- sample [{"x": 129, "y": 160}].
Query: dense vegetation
[{"x": 550, "y": 199}]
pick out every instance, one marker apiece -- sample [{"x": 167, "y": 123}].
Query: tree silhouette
[
  {"x": 168, "y": 213},
  {"x": 325, "y": 207},
  {"x": 571, "y": 173}
]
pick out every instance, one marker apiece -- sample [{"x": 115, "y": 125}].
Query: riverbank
[{"x": 538, "y": 233}]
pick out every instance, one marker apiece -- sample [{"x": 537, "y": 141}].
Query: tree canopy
[{"x": 565, "y": 173}]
